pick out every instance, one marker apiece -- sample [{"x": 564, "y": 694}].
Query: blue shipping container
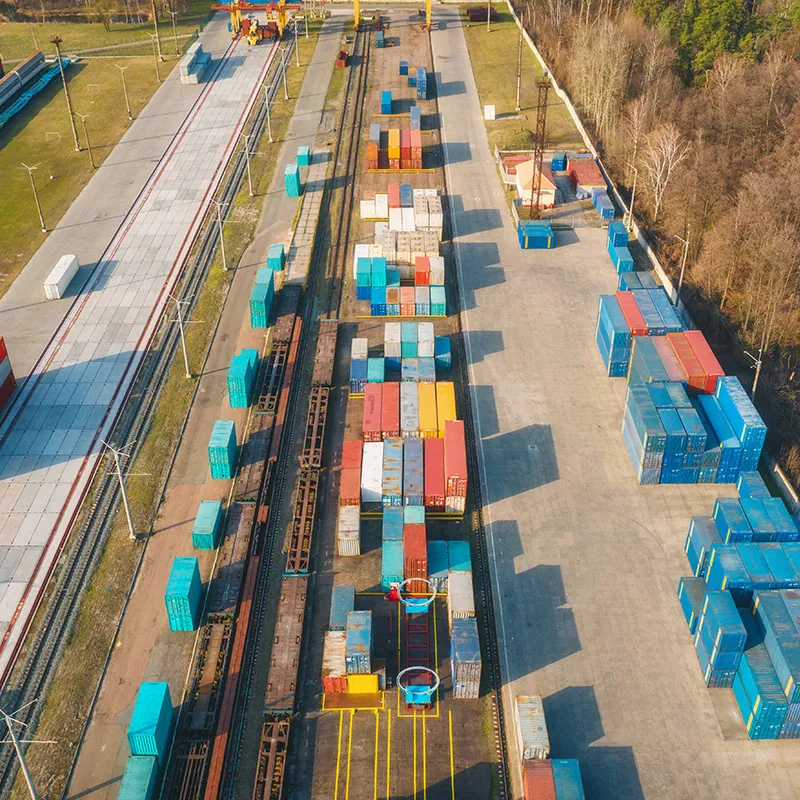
[
  {"x": 139, "y": 779},
  {"x": 151, "y": 722},
  {"x": 183, "y": 596},
  {"x": 358, "y": 642},
  {"x": 207, "y": 525},
  {"x": 343, "y": 601}
]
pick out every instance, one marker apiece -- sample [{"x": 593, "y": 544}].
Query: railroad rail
[{"x": 33, "y": 674}]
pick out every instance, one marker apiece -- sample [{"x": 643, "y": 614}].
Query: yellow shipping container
[
  {"x": 428, "y": 420},
  {"x": 445, "y": 403},
  {"x": 394, "y": 137},
  {"x": 362, "y": 684}
]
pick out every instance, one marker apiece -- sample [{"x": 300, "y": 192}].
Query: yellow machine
[{"x": 277, "y": 11}]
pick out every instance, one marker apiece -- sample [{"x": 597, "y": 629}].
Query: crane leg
[
  {"x": 356, "y": 12},
  {"x": 428, "y": 14}
]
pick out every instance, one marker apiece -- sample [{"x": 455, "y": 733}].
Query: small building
[{"x": 524, "y": 184}]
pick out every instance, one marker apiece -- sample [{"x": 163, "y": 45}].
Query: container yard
[{"x": 422, "y": 537}]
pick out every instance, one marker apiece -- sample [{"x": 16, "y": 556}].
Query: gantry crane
[{"x": 236, "y": 8}]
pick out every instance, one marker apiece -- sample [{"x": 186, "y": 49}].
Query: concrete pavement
[{"x": 585, "y": 562}]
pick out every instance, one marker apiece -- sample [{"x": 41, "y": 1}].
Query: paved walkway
[
  {"x": 145, "y": 648},
  {"x": 51, "y": 439},
  {"x": 585, "y": 562}
]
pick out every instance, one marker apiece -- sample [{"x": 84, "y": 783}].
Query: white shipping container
[
  {"x": 349, "y": 547},
  {"x": 395, "y": 219},
  {"x": 455, "y": 505},
  {"x": 59, "y": 279},
  {"x": 375, "y": 251},
  {"x": 425, "y": 332},
  {"x": 437, "y": 278},
  {"x": 432, "y": 239},
  {"x": 460, "y": 596},
  {"x": 333, "y": 663},
  {"x": 359, "y": 348},
  {"x": 408, "y": 219},
  {"x": 368, "y": 209},
  {"x": 437, "y": 263},
  {"x": 349, "y": 526},
  {"x": 361, "y": 251},
  {"x": 392, "y": 331},
  {"x": 431, "y": 192},
  {"x": 406, "y": 272},
  {"x": 409, "y": 410},
  {"x": 380, "y": 228},
  {"x": 532, "y": 738},
  {"x": 425, "y": 350},
  {"x": 382, "y": 206},
  {"x": 371, "y": 472},
  {"x": 421, "y": 213},
  {"x": 418, "y": 194},
  {"x": 435, "y": 217}
]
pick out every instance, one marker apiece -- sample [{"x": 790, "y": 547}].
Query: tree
[
  {"x": 663, "y": 153},
  {"x": 105, "y": 10}
]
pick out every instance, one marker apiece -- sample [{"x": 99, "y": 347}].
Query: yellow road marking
[
  {"x": 415, "y": 755},
  {"x": 452, "y": 764},
  {"x": 375, "y": 772},
  {"x": 338, "y": 756},
  {"x": 424, "y": 760},
  {"x": 388, "y": 752},
  {"x": 349, "y": 748}
]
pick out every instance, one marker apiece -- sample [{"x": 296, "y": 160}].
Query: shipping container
[
  {"x": 776, "y": 624},
  {"x": 140, "y": 779},
  {"x": 415, "y": 555},
  {"x": 348, "y": 531},
  {"x": 343, "y": 601},
  {"x": 413, "y": 472},
  {"x": 276, "y": 257},
  {"x": 371, "y": 420},
  {"x": 334, "y": 667},
  {"x": 460, "y": 596},
  {"x": 352, "y": 451},
  {"x": 372, "y": 473},
  {"x": 358, "y": 376},
  {"x": 691, "y": 593},
  {"x": 428, "y": 420},
  {"x": 358, "y": 642},
  {"x": 537, "y": 780},
  {"x": 59, "y": 279},
  {"x": 222, "y": 449},
  {"x": 434, "y": 474},
  {"x": 151, "y": 723},
  {"x": 731, "y": 521},
  {"x": 207, "y": 525},
  {"x": 350, "y": 487},
  {"x": 532, "y": 738},
  {"x": 465, "y": 658},
  {"x": 390, "y": 410},
  {"x": 702, "y": 536},
  {"x": 445, "y": 404},
  {"x": 392, "y": 563},
  {"x": 392, "y": 523},
  {"x": 438, "y": 568},
  {"x": 392, "y": 472},
  {"x": 183, "y": 596},
  {"x": 567, "y": 779},
  {"x": 455, "y": 459},
  {"x": 751, "y": 484},
  {"x": 409, "y": 410}
]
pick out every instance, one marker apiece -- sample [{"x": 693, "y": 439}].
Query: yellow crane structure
[{"x": 277, "y": 11}]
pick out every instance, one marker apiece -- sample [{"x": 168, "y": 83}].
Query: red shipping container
[
  {"x": 668, "y": 359},
  {"x": 634, "y": 318},
  {"x": 3, "y": 351},
  {"x": 392, "y": 298},
  {"x": 422, "y": 271},
  {"x": 696, "y": 377},
  {"x": 390, "y": 410},
  {"x": 708, "y": 361},
  {"x": 537, "y": 780},
  {"x": 416, "y": 144},
  {"x": 405, "y": 139},
  {"x": 434, "y": 473},
  {"x": 415, "y": 555},
  {"x": 352, "y": 451},
  {"x": 455, "y": 458},
  {"x": 408, "y": 303},
  {"x": 372, "y": 150},
  {"x": 372, "y": 164},
  {"x": 350, "y": 487},
  {"x": 371, "y": 423},
  {"x": 416, "y": 163},
  {"x": 9, "y": 384},
  {"x": 405, "y": 163},
  {"x": 394, "y": 194},
  {"x": 335, "y": 685},
  {"x": 394, "y": 163}
]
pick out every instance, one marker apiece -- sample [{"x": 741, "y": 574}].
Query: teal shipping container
[
  {"x": 441, "y": 351},
  {"x": 438, "y": 562},
  {"x": 458, "y": 556},
  {"x": 413, "y": 515},
  {"x": 151, "y": 722},
  {"x": 275, "y": 257},
  {"x": 304, "y": 156},
  {"x": 183, "y": 596},
  {"x": 291, "y": 179},
  {"x": 261, "y": 303},
  {"x": 376, "y": 370},
  {"x": 438, "y": 301},
  {"x": 139, "y": 779},
  {"x": 241, "y": 378},
  {"x": 222, "y": 449},
  {"x": 207, "y": 525},
  {"x": 391, "y": 563},
  {"x": 343, "y": 601},
  {"x": 567, "y": 779}
]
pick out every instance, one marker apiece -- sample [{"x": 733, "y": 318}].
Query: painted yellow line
[
  {"x": 349, "y": 748},
  {"x": 338, "y": 757},
  {"x": 452, "y": 763},
  {"x": 375, "y": 770},
  {"x": 424, "y": 760},
  {"x": 388, "y": 753},
  {"x": 415, "y": 755}
]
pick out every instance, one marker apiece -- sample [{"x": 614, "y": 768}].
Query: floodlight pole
[
  {"x": 266, "y": 103},
  {"x": 178, "y": 304},
  {"x": 36, "y": 195},
  {"x": 296, "y": 45},
  {"x": 283, "y": 67},
  {"x": 219, "y": 205},
  {"x": 84, "y": 117},
  {"x": 519, "y": 56},
  {"x": 118, "y": 467},
  {"x": 56, "y": 40},
  {"x": 174, "y": 14},
  {"x": 125, "y": 91},
  {"x": 246, "y": 137},
  {"x": 683, "y": 263}
]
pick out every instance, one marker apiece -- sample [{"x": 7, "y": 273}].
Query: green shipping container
[
  {"x": 207, "y": 525},
  {"x": 139, "y": 779}
]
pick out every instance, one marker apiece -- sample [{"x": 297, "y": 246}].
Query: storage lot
[{"x": 586, "y": 561}]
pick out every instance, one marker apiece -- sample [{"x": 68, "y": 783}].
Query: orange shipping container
[
  {"x": 390, "y": 411},
  {"x": 708, "y": 361},
  {"x": 695, "y": 374},
  {"x": 350, "y": 487},
  {"x": 352, "y": 451},
  {"x": 445, "y": 403}
]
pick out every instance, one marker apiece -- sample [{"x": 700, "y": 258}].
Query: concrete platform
[
  {"x": 585, "y": 561},
  {"x": 52, "y": 435}
]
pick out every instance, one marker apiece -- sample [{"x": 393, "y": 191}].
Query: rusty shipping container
[
  {"x": 371, "y": 423},
  {"x": 415, "y": 556},
  {"x": 455, "y": 459}
]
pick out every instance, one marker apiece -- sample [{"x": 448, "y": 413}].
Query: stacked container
[
  {"x": 350, "y": 476},
  {"x": 415, "y": 116},
  {"x": 151, "y": 722},
  {"x": 747, "y": 425},
  {"x": 409, "y": 410},
  {"x": 422, "y": 83},
  {"x": 455, "y": 467},
  {"x": 343, "y": 601},
  {"x": 691, "y": 594},
  {"x": 392, "y": 344},
  {"x": 348, "y": 531},
  {"x": 465, "y": 658},
  {"x": 207, "y": 525},
  {"x": 613, "y": 337},
  {"x": 392, "y": 484},
  {"x": 334, "y": 667},
  {"x": 386, "y": 102},
  {"x": 183, "y": 596},
  {"x": 291, "y": 179},
  {"x": 275, "y": 257},
  {"x": 413, "y": 473},
  {"x": 603, "y": 205},
  {"x": 415, "y": 555},
  {"x": 392, "y": 562},
  {"x": 428, "y": 420},
  {"x": 241, "y": 378},
  {"x": 390, "y": 410},
  {"x": 720, "y": 639},
  {"x": 222, "y": 449},
  {"x": 372, "y": 472},
  {"x": 358, "y": 642},
  {"x": 460, "y": 596},
  {"x": 434, "y": 474},
  {"x": 441, "y": 354},
  {"x": 261, "y": 300}
]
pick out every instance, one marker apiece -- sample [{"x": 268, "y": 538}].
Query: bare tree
[{"x": 663, "y": 153}]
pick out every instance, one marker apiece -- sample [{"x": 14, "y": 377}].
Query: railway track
[{"x": 33, "y": 674}]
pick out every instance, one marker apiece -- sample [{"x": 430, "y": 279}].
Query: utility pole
[
  {"x": 36, "y": 195},
  {"x": 219, "y": 205},
  {"x": 519, "y": 56},
  {"x": 283, "y": 67},
  {"x": 23, "y": 764},
  {"x": 296, "y": 45},
  {"x": 84, "y": 117},
  {"x": 56, "y": 40},
  {"x": 756, "y": 365},
  {"x": 633, "y": 197},
  {"x": 305, "y": 19},
  {"x": 266, "y": 103},
  {"x": 174, "y": 14},
  {"x": 155, "y": 25},
  {"x": 117, "y": 452},
  {"x": 683, "y": 264},
  {"x": 155, "y": 56},
  {"x": 125, "y": 90},
  {"x": 488, "y": 16},
  {"x": 246, "y": 137},
  {"x": 178, "y": 304}
]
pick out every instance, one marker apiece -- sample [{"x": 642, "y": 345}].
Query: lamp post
[
  {"x": 178, "y": 304},
  {"x": 174, "y": 14},
  {"x": 125, "y": 90},
  {"x": 266, "y": 103},
  {"x": 633, "y": 197},
  {"x": 56, "y": 40},
  {"x": 155, "y": 55},
  {"x": 283, "y": 67},
  {"x": 683, "y": 263},
  {"x": 519, "y": 56},
  {"x": 36, "y": 195},
  {"x": 155, "y": 25},
  {"x": 488, "y": 16},
  {"x": 246, "y": 137},
  {"x": 117, "y": 453},
  {"x": 296, "y": 45},
  {"x": 219, "y": 205},
  {"x": 84, "y": 117}
]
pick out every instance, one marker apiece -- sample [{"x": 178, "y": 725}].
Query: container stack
[
  {"x": 719, "y": 639},
  {"x": 373, "y": 146},
  {"x": 350, "y": 476},
  {"x": 334, "y": 665},
  {"x": 455, "y": 467},
  {"x": 465, "y": 658},
  {"x": 438, "y": 566},
  {"x": 644, "y": 279},
  {"x": 460, "y": 596},
  {"x": 276, "y": 257},
  {"x": 532, "y": 738},
  {"x": 140, "y": 779},
  {"x": 403, "y": 68},
  {"x": 222, "y": 449},
  {"x": 602, "y": 203},
  {"x": 207, "y": 525},
  {"x": 192, "y": 66},
  {"x": 617, "y": 246},
  {"x": 358, "y": 643},
  {"x": 261, "y": 298},
  {"x": 380, "y": 40},
  {"x": 422, "y": 83},
  {"x": 613, "y": 337},
  {"x": 348, "y": 531},
  {"x": 386, "y": 102},
  {"x": 151, "y": 723},
  {"x": 585, "y": 175},
  {"x": 535, "y": 234},
  {"x": 415, "y": 557},
  {"x": 242, "y": 377},
  {"x": 393, "y": 152},
  {"x": 392, "y": 481},
  {"x": 434, "y": 475},
  {"x": 183, "y": 596},
  {"x": 7, "y": 380},
  {"x": 343, "y": 601},
  {"x": 291, "y": 179},
  {"x": 415, "y": 120}
]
